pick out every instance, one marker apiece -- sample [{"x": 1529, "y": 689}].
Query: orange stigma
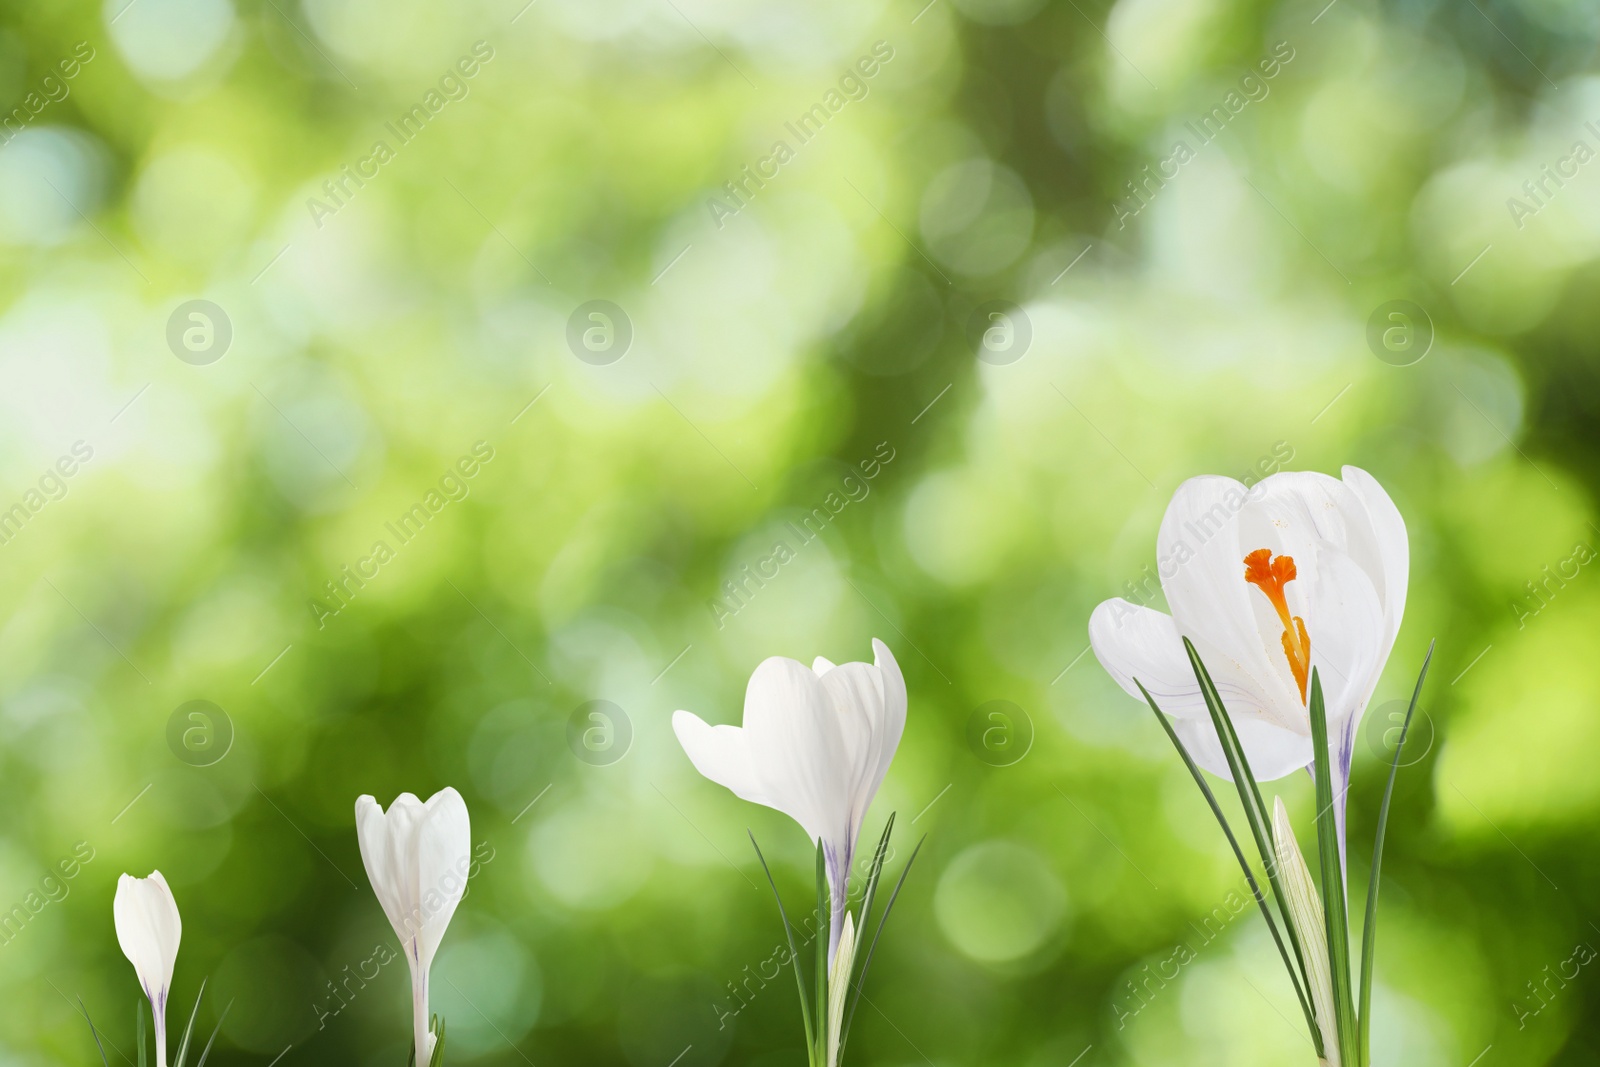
[{"x": 1270, "y": 575}]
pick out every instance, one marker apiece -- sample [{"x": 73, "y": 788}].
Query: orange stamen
[{"x": 1270, "y": 574}]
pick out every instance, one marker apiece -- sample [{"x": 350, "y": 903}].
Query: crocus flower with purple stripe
[
  {"x": 418, "y": 858},
  {"x": 149, "y": 929},
  {"x": 815, "y": 744}
]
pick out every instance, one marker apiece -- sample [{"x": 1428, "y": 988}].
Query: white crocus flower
[
  {"x": 149, "y": 929},
  {"x": 815, "y": 744},
  {"x": 417, "y": 857},
  {"x": 1301, "y": 570}
]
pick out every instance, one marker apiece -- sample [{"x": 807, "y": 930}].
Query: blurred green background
[{"x": 364, "y": 334}]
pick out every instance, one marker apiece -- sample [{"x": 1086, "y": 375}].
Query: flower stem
[{"x": 419, "y": 1008}]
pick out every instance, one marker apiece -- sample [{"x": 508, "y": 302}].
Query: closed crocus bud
[
  {"x": 1305, "y": 908},
  {"x": 839, "y": 986},
  {"x": 148, "y": 929},
  {"x": 417, "y": 857}
]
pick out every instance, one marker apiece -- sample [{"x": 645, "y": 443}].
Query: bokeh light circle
[{"x": 998, "y": 901}]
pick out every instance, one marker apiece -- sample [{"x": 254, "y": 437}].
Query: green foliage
[
  {"x": 1260, "y": 822},
  {"x": 1296, "y": 970},
  {"x": 1334, "y": 908},
  {"x": 1369, "y": 927},
  {"x": 1350, "y": 1023},
  {"x": 794, "y": 952},
  {"x": 141, "y": 1010},
  {"x": 816, "y": 1019},
  {"x": 100, "y": 1046}
]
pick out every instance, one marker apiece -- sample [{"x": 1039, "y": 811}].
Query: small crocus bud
[
  {"x": 417, "y": 857},
  {"x": 1305, "y": 908},
  {"x": 839, "y": 985},
  {"x": 148, "y": 929}
]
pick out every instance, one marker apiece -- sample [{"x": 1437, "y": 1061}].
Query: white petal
[
  {"x": 893, "y": 724},
  {"x": 1298, "y": 512},
  {"x": 1272, "y": 751},
  {"x": 721, "y": 754},
  {"x": 1132, "y": 641},
  {"x": 1345, "y": 625},
  {"x": 870, "y": 702},
  {"x": 821, "y": 665},
  {"x": 797, "y": 747},
  {"x": 1135, "y": 643},
  {"x": 1325, "y": 525},
  {"x": 372, "y": 835},
  {"x": 384, "y": 838},
  {"x": 444, "y": 855},
  {"x": 1394, "y": 549}
]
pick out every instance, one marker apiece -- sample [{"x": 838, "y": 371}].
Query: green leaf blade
[
  {"x": 215, "y": 1031},
  {"x": 95, "y": 1033},
  {"x": 1244, "y": 864},
  {"x": 861, "y": 977},
  {"x": 1369, "y": 927},
  {"x": 1333, "y": 897},
  {"x": 824, "y": 933},
  {"x": 1255, "y": 811},
  {"x": 183, "y": 1046},
  {"x": 794, "y": 952},
  {"x": 437, "y": 1027}
]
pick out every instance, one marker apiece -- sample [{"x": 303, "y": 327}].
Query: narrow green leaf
[
  {"x": 94, "y": 1032},
  {"x": 183, "y": 1046},
  {"x": 215, "y": 1031},
  {"x": 824, "y": 933},
  {"x": 866, "y": 962},
  {"x": 1333, "y": 902},
  {"x": 138, "y": 1014},
  {"x": 1244, "y": 864},
  {"x": 437, "y": 1026},
  {"x": 794, "y": 952},
  {"x": 879, "y": 855},
  {"x": 1255, "y": 811},
  {"x": 1369, "y": 928}
]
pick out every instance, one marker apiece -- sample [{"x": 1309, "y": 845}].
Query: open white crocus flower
[
  {"x": 149, "y": 929},
  {"x": 417, "y": 857},
  {"x": 1301, "y": 570},
  {"x": 815, "y": 744}
]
